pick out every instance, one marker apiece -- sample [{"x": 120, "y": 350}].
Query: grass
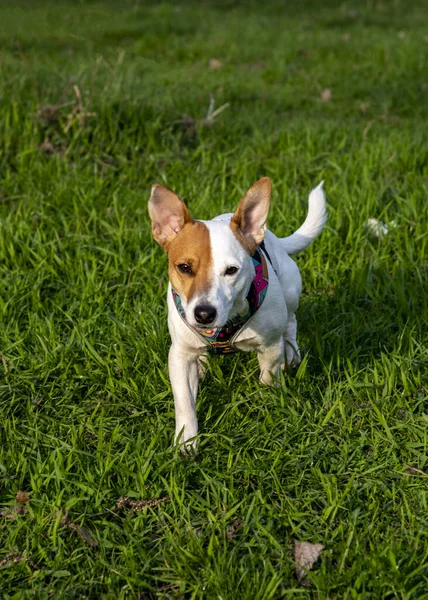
[{"x": 99, "y": 101}]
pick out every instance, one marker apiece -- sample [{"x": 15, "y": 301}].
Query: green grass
[{"x": 87, "y": 411}]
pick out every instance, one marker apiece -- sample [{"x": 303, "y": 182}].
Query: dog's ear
[
  {"x": 251, "y": 215},
  {"x": 168, "y": 214}
]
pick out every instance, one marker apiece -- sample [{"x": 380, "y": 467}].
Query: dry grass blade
[
  {"x": 414, "y": 471},
  {"x": 78, "y": 113},
  {"x": 211, "y": 113},
  {"x": 137, "y": 505},
  {"x": 305, "y": 556},
  {"x": 81, "y": 531},
  {"x": 190, "y": 124}
]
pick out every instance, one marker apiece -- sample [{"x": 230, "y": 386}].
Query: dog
[{"x": 232, "y": 286}]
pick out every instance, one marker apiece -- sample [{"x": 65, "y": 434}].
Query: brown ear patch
[
  {"x": 192, "y": 247},
  {"x": 248, "y": 223},
  {"x": 168, "y": 214}
]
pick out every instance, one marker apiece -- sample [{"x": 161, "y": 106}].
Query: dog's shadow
[{"x": 362, "y": 317}]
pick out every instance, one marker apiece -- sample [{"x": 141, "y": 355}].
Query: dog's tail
[{"x": 313, "y": 225}]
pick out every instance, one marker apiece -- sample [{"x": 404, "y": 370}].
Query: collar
[{"x": 220, "y": 340}]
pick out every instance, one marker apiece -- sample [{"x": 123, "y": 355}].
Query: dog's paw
[
  {"x": 186, "y": 444},
  {"x": 292, "y": 354},
  {"x": 188, "y": 449},
  {"x": 292, "y": 364},
  {"x": 266, "y": 378},
  {"x": 296, "y": 362}
]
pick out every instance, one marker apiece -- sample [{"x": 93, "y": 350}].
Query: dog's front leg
[
  {"x": 270, "y": 360},
  {"x": 183, "y": 374}
]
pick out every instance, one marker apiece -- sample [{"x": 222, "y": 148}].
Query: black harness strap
[{"x": 263, "y": 247}]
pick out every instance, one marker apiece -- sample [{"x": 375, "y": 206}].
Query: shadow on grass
[
  {"x": 347, "y": 323},
  {"x": 364, "y": 318}
]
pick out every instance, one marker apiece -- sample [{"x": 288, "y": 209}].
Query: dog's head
[{"x": 209, "y": 262}]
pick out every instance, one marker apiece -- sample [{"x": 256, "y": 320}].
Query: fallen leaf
[
  {"x": 325, "y": 95},
  {"x": 15, "y": 557},
  {"x": 346, "y": 37},
  {"x": 305, "y": 556},
  {"x": 22, "y": 497},
  {"x": 215, "y": 63},
  {"x": 39, "y": 401},
  {"x": 401, "y": 35},
  {"x": 86, "y": 536},
  {"x": 236, "y": 526},
  {"x": 12, "y": 511},
  {"x": 364, "y": 106},
  {"x": 50, "y": 114},
  {"x": 49, "y": 149},
  {"x": 11, "y": 558},
  {"x": 137, "y": 505}
]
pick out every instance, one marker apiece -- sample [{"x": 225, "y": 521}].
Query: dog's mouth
[{"x": 206, "y": 327}]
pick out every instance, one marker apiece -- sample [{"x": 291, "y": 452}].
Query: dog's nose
[{"x": 205, "y": 314}]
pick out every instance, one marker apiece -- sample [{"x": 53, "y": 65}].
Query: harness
[{"x": 220, "y": 340}]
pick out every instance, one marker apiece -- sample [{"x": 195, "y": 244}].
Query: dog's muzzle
[{"x": 220, "y": 340}]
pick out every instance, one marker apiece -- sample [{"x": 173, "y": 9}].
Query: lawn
[{"x": 98, "y": 101}]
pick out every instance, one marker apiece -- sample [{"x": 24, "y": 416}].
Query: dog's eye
[
  {"x": 185, "y": 268},
  {"x": 231, "y": 270}
]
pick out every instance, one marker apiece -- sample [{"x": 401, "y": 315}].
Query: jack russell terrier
[{"x": 232, "y": 287}]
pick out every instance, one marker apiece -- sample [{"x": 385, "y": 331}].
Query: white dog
[{"x": 232, "y": 287}]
